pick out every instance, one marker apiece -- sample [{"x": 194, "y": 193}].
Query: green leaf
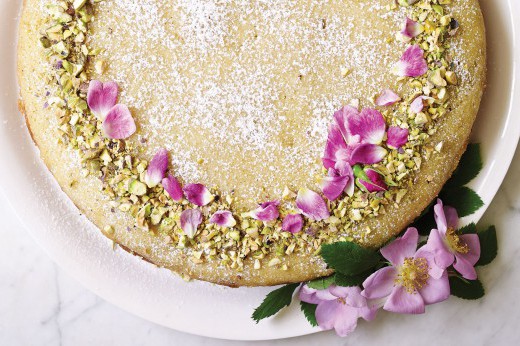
[
  {"x": 274, "y": 302},
  {"x": 349, "y": 281},
  {"x": 321, "y": 283},
  {"x": 488, "y": 246},
  {"x": 349, "y": 258},
  {"x": 426, "y": 222},
  {"x": 468, "y": 229},
  {"x": 466, "y": 289},
  {"x": 469, "y": 166},
  {"x": 309, "y": 310},
  {"x": 465, "y": 200}
]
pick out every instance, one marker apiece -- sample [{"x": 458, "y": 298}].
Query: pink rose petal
[
  {"x": 402, "y": 302},
  {"x": 397, "y": 137},
  {"x": 412, "y": 63},
  {"x": 400, "y": 248},
  {"x": 473, "y": 243},
  {"x": 173, "y": 187},
  {"x": 369, "y": 125},
  {"x": 465, "y": 268},
  {"x": 334, "y": 315},
  {"x": 338, "y": 181},
  {"x": 336, "y": 148},
  {"x": 292, "y": 223},
  {"x": 313, "y": 296},
  {"x": 437, "y": 290},
  {"x": 267, "y": 211},
  {"x": 434, "y": 270},
  {"x": 387, "y": 98},
  {"x": 445, "y": 217},
  {"x": 101, "y": 97},
  {"x": 368, "y": 154},
  {"x": 338, "y": 307},
  {"x": 410, "y": 30},
  {"x": 119, "y": 123},
  {"x": 312, "y": 205},
  {"x": 443, "y": 257},
  {"x": 417, "y": 105},
  {"x": 352, "y": 295},
  {"x": 157, "y": 168},
  {"x": 197, "y": 194},
  {"x": 190, "y": 221},
  {"x": 452, "y": 217},
  {"x": 380, "y": 284},
  {"x": 342, "y": 118},
  {"x": 333, "y": 186},
  {"x": 345, "y": 170},
  {"x": 223, "y": 218}
]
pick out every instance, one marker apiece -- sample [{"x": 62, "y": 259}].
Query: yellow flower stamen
[
  {"x": 455, "y": 243},
  {"x": 413, "y": 274}
]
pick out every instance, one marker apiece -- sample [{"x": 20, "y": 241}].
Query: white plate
[{"x": 198, "y": 307}]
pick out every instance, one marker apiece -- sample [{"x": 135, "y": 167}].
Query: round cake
[{"x": 228, "y": 140}]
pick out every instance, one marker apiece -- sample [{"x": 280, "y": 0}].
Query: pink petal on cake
[
  {"x": 417, "y": 105},
  {"x": 197, "y": 194},
  {"x": 369, "y": 125},
  {"x": 334, "y": 184},
  {"x": 344, "y": 169},
  {"x": 173, "y": 187},
  {"x": 292, "y": 223},
  {"x": 312, "y": 204},
  {"x": 410, "y": 30},
  {"x": 156, "y": 168},
  {"x": 101, "y": 97},
  {"x": 387, "y": 98},
  {"x": 397, "y": 137},
  {"x": 412, "y": 63},
  {"x": 334, "y": 147},
  {"x": 223, "y": 218},
  {"x": 267, "y": 211},
  {"x": 190, "y": 221},
  {"x": 119, "y": 123},
  {"x": 368, "y": 154},
  {"x": 341, "y": 119}
]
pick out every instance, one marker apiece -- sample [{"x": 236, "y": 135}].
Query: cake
[{"x": 282, "y": 125}]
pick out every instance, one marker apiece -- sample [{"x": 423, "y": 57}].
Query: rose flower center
[
  {"x": 455, "y": 243},
  {"x": 413, "y": 274}
]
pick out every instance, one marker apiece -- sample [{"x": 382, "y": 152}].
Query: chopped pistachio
[
  {"x": 109, "y": 230},
  {"x": 136, "y": 187},
  {"x": 451, "y": 77},
  {"x": 437, "y": 78},
  {"x": 78, "y": 4}
]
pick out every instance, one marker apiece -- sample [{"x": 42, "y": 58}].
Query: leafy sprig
[
  {"x": 274, "y": 302},
  {"x": 352, "y": 263}
]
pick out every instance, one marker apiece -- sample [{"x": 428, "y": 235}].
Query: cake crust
[{"x": 453, "y": 131}]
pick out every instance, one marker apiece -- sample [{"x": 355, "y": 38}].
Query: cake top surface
[
  {"x": 286, "y": 125},
  {"x": 242, "y": 92}
]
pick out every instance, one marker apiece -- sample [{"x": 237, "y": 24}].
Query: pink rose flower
[
  {"x": 338, "y": 307},
  {"x": 411, "y": 282},
  {"x": 448, "y": 247}
]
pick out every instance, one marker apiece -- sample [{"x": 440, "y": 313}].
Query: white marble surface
[{"x": 42, "y": 305}]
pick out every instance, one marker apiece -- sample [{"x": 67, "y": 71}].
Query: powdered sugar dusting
[{"x": 241, "y": 92}]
